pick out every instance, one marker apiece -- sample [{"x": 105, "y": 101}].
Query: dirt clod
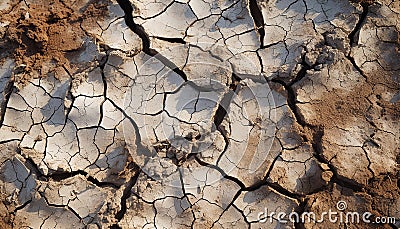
[{"x": 44, "y": 32}]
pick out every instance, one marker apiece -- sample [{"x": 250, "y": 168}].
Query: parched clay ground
[{"x": 198, "y": 113}]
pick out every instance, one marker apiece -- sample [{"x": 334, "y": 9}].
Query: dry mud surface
[{"x": 198, "y": 113}]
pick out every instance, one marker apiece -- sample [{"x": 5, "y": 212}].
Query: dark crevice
[
  {"x": 140, "y": 148},
  {"x": 101, "y": 183},
  {"x": 222, "y": 108},
  {"x": 345, "y": 182},
  {"x": 102, "y": 65},
  {"x": 125, "y": 195},
  {"x": 225, "y": 101},
  {"x": 244, "y": 216},
  {"x": 395, "y": 226},
  {"x": 235, "y": 197},
  {"x": 59, "y": 176},
  {"x": 32, "y": 167},
  {"x": 21, "y": 207},
  {"x": 263, "y": 182},
  {"x": 70, "y": 209},
  {"x": 354, "y": 35},
  {"x": 169, "y": 64},
  {"x": 254, "y": 187},
  {"x": 69, "y": 96},
  {"x": 291, "y": 100},
  {"x": 258, "y": 19},
  {"x": 353, "y": 62},
  {"x": 336, "y": 178},
  {"x": 224, "y": 175},
  {"x": 317, "y": 140},
  {"x": 222, "y": 111},
  {"x": 171, "y": 40},
  {"x": 317, "y": 131},
  {"x": 283, "y": 191},
  {"x": 300, "y": 210},
  {"x": 302, "y": 73},
  {"x": 139, "y": 30}
]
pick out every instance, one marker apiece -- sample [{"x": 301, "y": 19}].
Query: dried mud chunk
[
  {"x": 338, "y": 98},
  {"x": 258, "y": 204},
  {"x": 38, "y": 214},
  {"x": 294, "y": 28},
  {"x": 297, "y": 171},
  {"x": 19, "y": 184},
  {"x": 139, "y": 214},
  {"x": 83, "y": 198}
]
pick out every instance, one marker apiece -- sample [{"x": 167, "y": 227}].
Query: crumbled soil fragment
[
  {"x": 5, "y": 217},
  {"x": 43, "y": 32}
]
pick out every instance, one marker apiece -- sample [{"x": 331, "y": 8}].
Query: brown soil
[
  {"x": 45, "y": 32},
  {"x": 379, "y": 198},
  {"x": 337, "y": 108},
  {"x": 5, "y": 218},
  {"x": 386, "y": 189}
]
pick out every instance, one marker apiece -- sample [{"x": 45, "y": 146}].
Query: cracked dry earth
[{"x": 197, "y": 113}]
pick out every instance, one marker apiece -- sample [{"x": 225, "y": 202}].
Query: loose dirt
[{"x": 44, "y": 32}]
